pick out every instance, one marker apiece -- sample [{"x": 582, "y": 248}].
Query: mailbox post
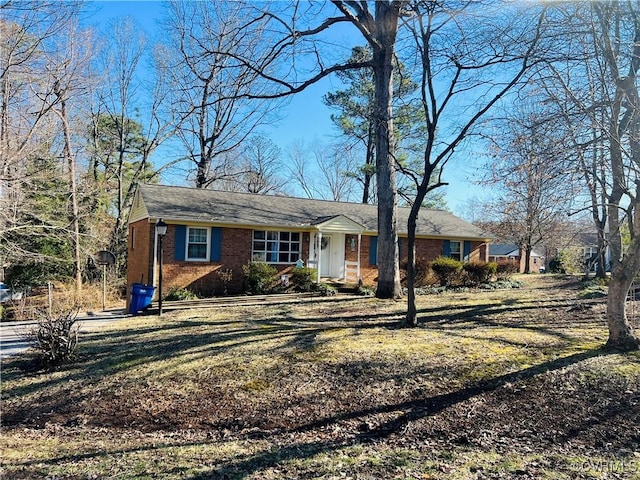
[{"x": 104, "y": 258}]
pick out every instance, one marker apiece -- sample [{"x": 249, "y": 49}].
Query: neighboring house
[
  {"x": 211, "y": 232},
  {"x": 509, "y": 253},
  {"x": 588, "y": 244}
]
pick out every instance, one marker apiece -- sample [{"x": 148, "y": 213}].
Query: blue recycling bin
[{"x": 141, "y": 297}]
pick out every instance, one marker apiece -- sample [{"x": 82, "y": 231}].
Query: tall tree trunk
[
  {"x": 621, "y": 335},
  {"x": 383, "y": 53},
  {"x": 369, "y": 162},
  {"x": 411, "y": 320},
  {"x": 527, "y": 259},
  {"x": 601, "y": 261},
  {"x": 73, "y": 194}
]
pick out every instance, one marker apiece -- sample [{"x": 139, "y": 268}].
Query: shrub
[
  {"x": 225, "y": 276},
  {"x": 55, "y": 337},
  {"x": 448, "y": 270},
  {"x": 304, "y": 278},
  {"x": 505, "y": 270},
  {"x": 479, "y": 272},
  {"x": 177, "y": 293},
  {"x": 259, "y": 277},
  {"x": 424, "y": 275},
  {"x": 568, "y": 261},
  {"x": 366, "y": 291},
  {"x": 326, "y": 290},
  {"x": 556, "y": 266}
]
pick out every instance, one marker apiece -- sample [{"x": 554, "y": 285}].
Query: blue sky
[{"x": 304, "y": 118}]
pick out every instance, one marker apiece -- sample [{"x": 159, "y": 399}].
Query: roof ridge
[{"x": 366, "y": 205}]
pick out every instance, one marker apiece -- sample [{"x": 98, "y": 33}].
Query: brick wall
[
  {"x": 204, "y": 278},
  {"x": 140, "y": 252}
]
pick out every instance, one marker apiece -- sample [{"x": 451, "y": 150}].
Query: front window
[
  {"x": 197, "y": 243},
  {"x": 455, "y": 250},
  {"x": 590, "y": 252},
  {"x": 275, "y": 247}
]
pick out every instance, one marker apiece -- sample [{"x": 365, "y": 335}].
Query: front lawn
[{"x": 493, "y": 384}]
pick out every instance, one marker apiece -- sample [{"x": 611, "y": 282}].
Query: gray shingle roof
[
  {"x": 213, "y": 206},
  {"x": 503, "y": 249}
]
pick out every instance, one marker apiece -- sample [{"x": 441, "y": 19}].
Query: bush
[
  {"x": 448, "y": 270},
  {"x": 556, "y": 265},
  {"x": 505, "y": 270},
  {"x": 259, "y": 277},
  {"x": 568, "y": 261},
  {"x": 479, "y": 272},
  {"x": 304, "y": 278},
  {"x": 424, "y": 275},
  {"x": 177, "y": 293},
  {"x": 225, "y": 277},
  {"x": 326, "y": 290},
  {"x": 366, "y": 291},
  {"x": 55, "y": 337}
]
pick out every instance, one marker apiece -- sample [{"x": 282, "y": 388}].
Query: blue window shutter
[
  {"x": 467, "y": 249},
  {"x": 216, "y": 244},
  {"x": 399, "y": 249},
  {"x": 446, "y": 248},
  {"x": 180, "y": 242},
  {"x": 373, "y": 250}
]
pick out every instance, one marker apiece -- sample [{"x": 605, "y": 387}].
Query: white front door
[{"x": 325, "y": 256}]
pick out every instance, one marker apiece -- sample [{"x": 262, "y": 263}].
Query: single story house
[
  {"x": 588, "y": 244},
  {"x": 212, "y": 234},
  {"x": 510, "y": 253}
]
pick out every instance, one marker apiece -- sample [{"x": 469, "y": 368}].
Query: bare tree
[
  {"x": 335, "y": 164},
  {"x": 67, "y": 67},
  {"x": 617, "y": 38},
  {"x": 28, "y": 124},
  {"x": 209, "y": 87},
  {"x": 26, "y": 28},
  {"x": 127, "y": 126},
  {"x": 301, "y": 174},
  {"x": 255, "y": 168},
  {"x": 454, "y": 68},
  {"x": 529, "y": 175},
  {"x": 298, "y": 31},
  {"x": 323, "y": 170},
  {"x": 596, "y": 85}
]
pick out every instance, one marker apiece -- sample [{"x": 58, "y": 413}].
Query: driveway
[{"x": 12, "y": 333}]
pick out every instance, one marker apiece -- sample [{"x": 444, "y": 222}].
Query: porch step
[{"x": 342, "y": 286}]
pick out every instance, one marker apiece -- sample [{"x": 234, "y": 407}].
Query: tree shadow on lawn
[
  {"x": 489, "y": 316},
  {"x": 454, "y": 313},
  {"x": 105, "y": 354},
  {"x": 414, "y": 410},
  {"x": 244, "y": 465}
]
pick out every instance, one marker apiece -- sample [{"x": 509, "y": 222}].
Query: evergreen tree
[{"x": 355, "y": 107}]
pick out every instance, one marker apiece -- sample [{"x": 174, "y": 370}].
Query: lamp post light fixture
[{"x": 161, "y": 231}]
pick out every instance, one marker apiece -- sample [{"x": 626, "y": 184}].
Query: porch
[{"x": 335, "y": 250}]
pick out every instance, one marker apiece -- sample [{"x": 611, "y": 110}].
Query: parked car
[{"x": 7, "y": 294}]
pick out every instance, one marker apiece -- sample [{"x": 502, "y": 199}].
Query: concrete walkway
[{"x": 12, "y": 334}]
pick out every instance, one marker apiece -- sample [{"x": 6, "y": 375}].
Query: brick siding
[{"x": 203, "y": 278}]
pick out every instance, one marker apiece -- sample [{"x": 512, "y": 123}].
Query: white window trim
[
  {"x": 460, "y": 252},
  {"x": 299, "y": 252},
  {"x": 186, "y": 246}
]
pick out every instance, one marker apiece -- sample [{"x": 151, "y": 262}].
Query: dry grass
[{"x": 495, "y": 384}]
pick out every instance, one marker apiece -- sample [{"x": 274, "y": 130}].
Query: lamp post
[{"x": 161, "y": 231}]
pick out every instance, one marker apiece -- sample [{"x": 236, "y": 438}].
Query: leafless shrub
[{"x": 55, "y": 337}]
